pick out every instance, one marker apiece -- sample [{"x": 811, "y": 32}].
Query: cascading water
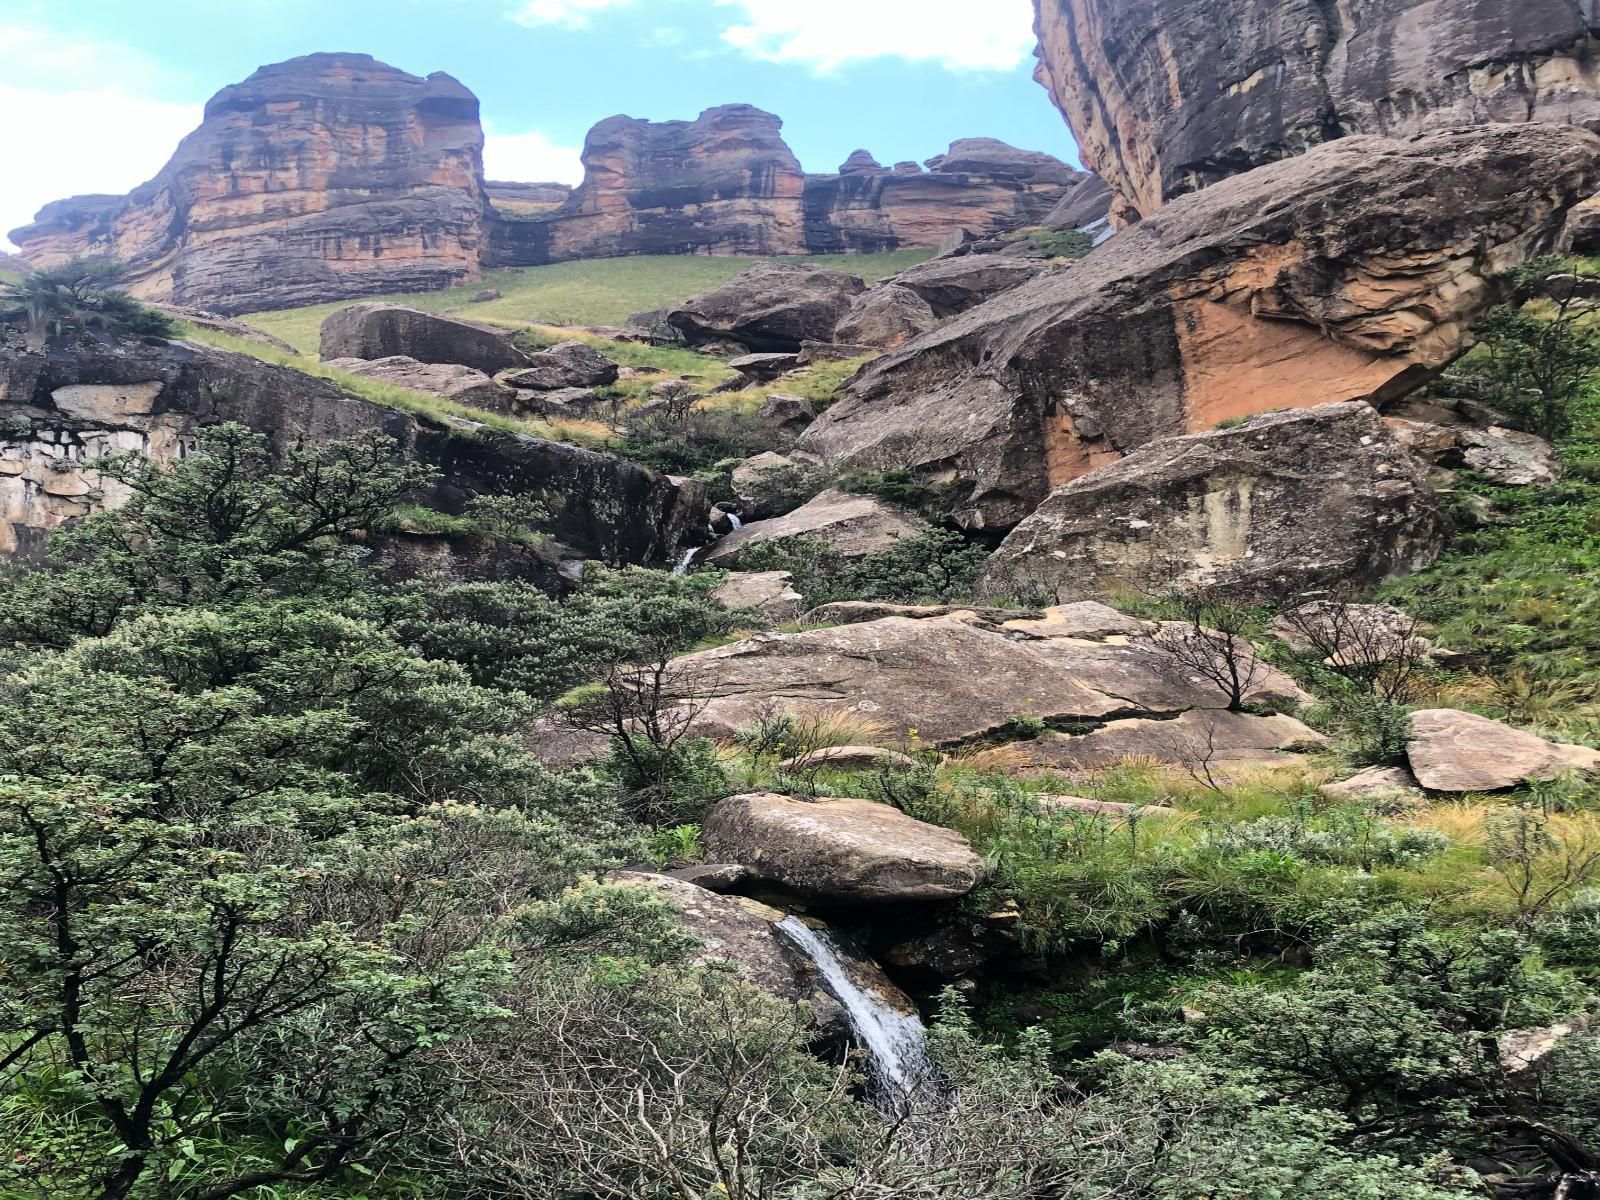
[
  {"x": 735, "y": 521},
  {"x": 896, "y": 1042},
  {"x": 683, "y": 563}
]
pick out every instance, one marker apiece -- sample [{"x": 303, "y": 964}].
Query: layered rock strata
[
  {"x": 1354, "y": 271},
  {"x": 1168, "y": 96},
  {"x": 320, "y": 178}
]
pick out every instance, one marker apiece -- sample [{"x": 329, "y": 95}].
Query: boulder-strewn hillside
[
  {"x": 1167, "y": 96},
  {"x": 325, "y": 176},
  {"x": 335, "y": 176}
]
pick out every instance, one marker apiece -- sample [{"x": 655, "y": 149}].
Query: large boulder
[
  {"x": 1218, "y": 87},
  {"x": 853, "y": 850},
  {"x": 885, "y": 316},
  {"x": 461, "y": 385},
  {"x": 1294, "y": 500},
  {"x": 769, "y": 308},
  {"x": 768, "y": 594},
  {"x": 385, "y": 330},
  {"x": 853, "y": 527},
  {"x": 951, "y": 680},
  {"x": 1351, "y": 272},
  {"x": 758, "y": 483},
  {"x": 1200, "y": 739},
  {"x": 321, "y": 178},
  {"x": 1453, "y": 751},
  {"x": 568, "y": 365},
  {"x": 953, "y": 285}
]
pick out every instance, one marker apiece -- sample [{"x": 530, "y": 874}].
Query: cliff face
[
  {"x": 1168, "y": 96},
  {"x": 321, "y": 178},
  {"x": 727, "y": 183}
]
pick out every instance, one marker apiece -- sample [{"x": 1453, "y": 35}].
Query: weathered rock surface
[
  {"x": 1166, "y": 96},
  {"x": 84, "y": 396},
  {"x": 952, "y": 679},
  {"x": 953, "y": 285},
  {"x": 753, "y": 482},
  {"x": 1376, "y": 785},
  {"x": 1452, "y": 751},
  {"x": 786, "y": 414},
  {"x": 770, "y": 594},
  {"x": 202, "y": 319},
  {"x": 386, "y": 330},
  {"x": 1083, "y": 619},
  {"x": 1197, "y": 739},
  {"x": 743, "y": 932},
  {"x": 885, "y": 316},
  {"x": 1304, "y": 499},
  {"x": 849, "y": 758},
  {"x": 856, "y": 850},
  {"x": 853, "y": 527},
  {"x": 853, "y": 612},
  {"x": 320, "y": 178},
  {"x": 1510, "y": 457},
  {"x": 772, "y": 308},
  {"x": 463, "y": 385},
  {"x": 568, "y": 365},
  {"x": 1351, "y": 272}
]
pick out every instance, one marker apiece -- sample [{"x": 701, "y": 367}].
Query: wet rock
[
  {"x": 769, "y": 308},
  {"x": 1282, "y": 288},
  {"x": 842, "y": 849},
  {"x": 853, "y": 527},
  {"x": 1453, "y": 751},
  {"x": 1304, "y": 499},
  {"x": 387, "y": 330}
]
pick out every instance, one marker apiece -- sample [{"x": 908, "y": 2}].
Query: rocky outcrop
[
  {"x": 316, "y": 179},
  {"x": 770, "y": 308},
  {"x": 757, "y": 483},
  {"x": 853, "y": 850},
  {"x": 83, "y": 396},
  {"x": 953, "y": 679},
  {"x": 852, "y": 526},
  {"x": 885, "y": 317},
  {"x": 1351, "y": 272},
  {"x": 568, "y": 365},
  {"x": 383, "y": 330},
  {"x": 461, "y": 385},
  {"x": 953, "y": 285},
  {"x": 1167, "y": 96},
  {"x": 768, "y": 594},
  {"x": 1453, "y": 751},
  {"x": 1288, "y": 501}
]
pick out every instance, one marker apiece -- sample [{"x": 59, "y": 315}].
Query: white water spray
[
  {"x": 896, "y": 1042},
  {"x": 683, "y": 563},
  {"x": 735, "y": 521}
]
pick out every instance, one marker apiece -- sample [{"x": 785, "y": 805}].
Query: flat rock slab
[
  {"x": 1454, "y": 751},
  {"x": 853, "y": 612},
  {"x": 1083, "y": 619},
  {"x": 1198, "y": 739},
  {"x": 462, "y": 385},
  {"x": 842, "y": 849},
  {"x": 853, "y": 527},
  {"x": 952, "y": 679},
  {"x": 383, "y": 330},
  {"x": 568, "y": 365},
  {"x": 850, "y": 758},
  {"x": 768, "y": 593}
]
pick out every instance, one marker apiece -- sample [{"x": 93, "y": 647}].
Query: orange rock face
[{"x": 320, "y": 178}]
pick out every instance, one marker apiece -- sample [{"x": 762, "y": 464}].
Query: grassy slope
[{"x": 594, "y": 292}]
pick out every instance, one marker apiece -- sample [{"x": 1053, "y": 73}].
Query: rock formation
[
  {"x": 1453, "y": 751},
  {"x": 461, "y": 385},
  {"x": 83, "y": 396},
  {"x": 320, "y": 178},
  {"x": 1296, "y": 500},
  {"x": 382, "y": 330},
  {"x": 769, "y": 308},
  {"x": 1167, "y": 96},
  {"x": 852, "y": 526},
  {"x": 1351, "y": 272}
]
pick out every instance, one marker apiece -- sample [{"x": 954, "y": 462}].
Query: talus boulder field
[
  {"x": 319, "y": 178},
  {"x": 1353, "y": 272},
  {"x": 1168, "y": 96}
]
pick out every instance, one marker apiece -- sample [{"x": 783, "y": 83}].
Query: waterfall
[
  {"x": 683, "y": 563},
  {"x": 896, "y": 1043},
  {"x": 735, "y": 521}
]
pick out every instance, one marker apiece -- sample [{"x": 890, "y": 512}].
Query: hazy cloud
[
  {"x": 828, "y": 34},
  {"x": 567, "y": 14},
  {"x": 530, "y": 158}
]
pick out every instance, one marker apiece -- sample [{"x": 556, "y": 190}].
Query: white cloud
[
  {"x": 828, "y": 34},
  {"x": 568, "y": 14},
  {"x": 530, "y": 158}
]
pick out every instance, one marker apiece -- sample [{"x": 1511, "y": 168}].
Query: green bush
[{"x": 936, "y": 566}]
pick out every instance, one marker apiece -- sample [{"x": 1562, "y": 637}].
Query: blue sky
[{"x": 97, "y": 92}]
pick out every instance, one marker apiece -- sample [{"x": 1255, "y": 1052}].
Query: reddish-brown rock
[
  {"x": 1167, "y": 96},
  {"x": 320, "y": 178}
]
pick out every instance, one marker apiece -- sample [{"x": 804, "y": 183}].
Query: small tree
[
  {"x": 1207, "y": 640},
  {"x": 1541, "y": 349},
  {"x": 84, "y": 291}
]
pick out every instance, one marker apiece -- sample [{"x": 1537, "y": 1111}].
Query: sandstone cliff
[
  {"x": 1167, "y": 96},
  {"x": 1351, "y": 272},
  {"x": 315, "y": 179}
]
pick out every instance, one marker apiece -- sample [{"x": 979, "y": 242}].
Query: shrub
[{"x": 936, "y": 566}]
